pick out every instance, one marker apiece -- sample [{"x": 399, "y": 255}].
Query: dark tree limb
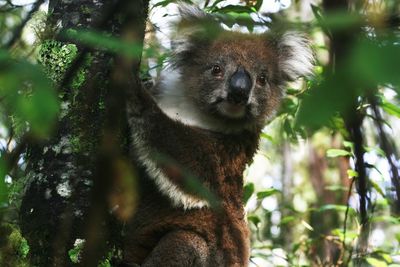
[
  {"x": 18, "y": 30},
  {"x": 340, "y": 46},
  {"x": 51, "y": 221},
  {"x": 390, "y": 151}
]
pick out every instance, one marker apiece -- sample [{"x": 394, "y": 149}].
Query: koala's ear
[
  {"x": 296, "y": 57},
  {"x": 190, "y": 12},
  {"x": 195, "y": 22},
  {"x": 195, "y": 29}
]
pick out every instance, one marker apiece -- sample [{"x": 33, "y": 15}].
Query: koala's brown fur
[{"x": 196, "y": 126}]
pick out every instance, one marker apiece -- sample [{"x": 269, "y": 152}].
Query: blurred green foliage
[
  {"x": 28, "y": 95},
  {"x": 300, "y": 195},
  {"x": 14, "y": 248}
]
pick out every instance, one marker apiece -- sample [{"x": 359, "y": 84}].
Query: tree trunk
[{"x": 72, "y": 174}]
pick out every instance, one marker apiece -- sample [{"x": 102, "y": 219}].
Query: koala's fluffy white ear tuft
[
  {"x": 194, "y": 28},
  {"x": 296, "y": 55},
  {"x": 190, "y": 12}
]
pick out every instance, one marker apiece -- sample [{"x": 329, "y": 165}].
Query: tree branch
[
  {"x": 18, "y": 30},
  {"x": 389, "y": 148}
]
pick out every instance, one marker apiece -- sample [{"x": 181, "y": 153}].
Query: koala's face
[{"x": 235, "y": 77}]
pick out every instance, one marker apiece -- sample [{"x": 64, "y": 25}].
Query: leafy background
[{"x": 323, "y": 189}]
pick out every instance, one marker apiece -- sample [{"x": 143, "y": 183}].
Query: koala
[{"x": 192, "y": 139}]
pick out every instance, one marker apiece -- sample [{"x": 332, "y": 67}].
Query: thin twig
[
  {"x": 345, "y": 219},
  {"x": 354, "y": 126},
  {"x": 20, "y": 27},
  {"x": 10, "y": 138},
  {"x": 387, "y": 147}
]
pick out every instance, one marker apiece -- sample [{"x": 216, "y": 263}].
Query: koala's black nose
[{"x": 239, "y": 87}]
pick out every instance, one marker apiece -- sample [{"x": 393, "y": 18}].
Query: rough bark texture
[{"x": 69, "y": 175}]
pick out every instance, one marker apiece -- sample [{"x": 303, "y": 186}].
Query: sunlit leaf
[
  {"x": 375, "y": 262},
  {"x": 306, "y": 225},
  {"x": 287, "y": 219},
  {"x": 333, "y": 153},
  {"x": 350, "y": 235},
  {"x": 348, "y": 144},
  {"x": 267, "y": 193},
  {"x": 341, "y": 208},
  {"x": 389, "y": 219},
  {"x": 386, "y": 257},
  {"x": 377, "y": 188},
  {"x": 391, "y": 108},
  {"x": 336, "y": 188},
  {"x": 352, "y": 173},
  {"x": 267, "y": 137}
]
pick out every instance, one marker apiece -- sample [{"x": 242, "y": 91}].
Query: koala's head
[{"x": 236, "y": 79}]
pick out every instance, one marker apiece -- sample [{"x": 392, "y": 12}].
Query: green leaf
[
  {"x": 317, "y": 11},
  {"x": 376, "y": 62},
  {"x": 163, "y": 3},
  {"x": 235, "y": 9},
  {"x": 254, "y": 219},
  {"x": 348, "y": 144},
  {"x": 29, "y": 94},
  {"x": 258, "y": 5},
  {"x": 268, "y": 137},
  {"x": 323, "y": 101},
  {"x": 306, "y": 225},
  {"x": 352, "y": 174},
  {"x": 287, "y": 219},
  {"x": 267, "y": 193},
  {"x": 333, "y": 153},
  {"x": 350, "y": 235},
  {"x": 389, "y": 219},
  {"x": 386, "y": 257},
  {"x": 377, "y": 188},
  {"x": 248, "y": 190},
  {"x": 105, "y": 42},
  {"x": 336, "y": 188},
  {"x": 391, "y": 108},
  {"x": 340, "y": 20},
  {"x": 74, "y": 253},
  {"x": 376, "y": 263},
  {"x": 377, "y": 150},
  {"x": 341, "y": 208}
]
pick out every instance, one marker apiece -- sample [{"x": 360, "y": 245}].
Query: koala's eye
[
  {"x": 262, "y": 79},
  {"x": 216, "y": 70}
]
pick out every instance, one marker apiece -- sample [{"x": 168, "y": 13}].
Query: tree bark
[{"x": 71, "y": 174}]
